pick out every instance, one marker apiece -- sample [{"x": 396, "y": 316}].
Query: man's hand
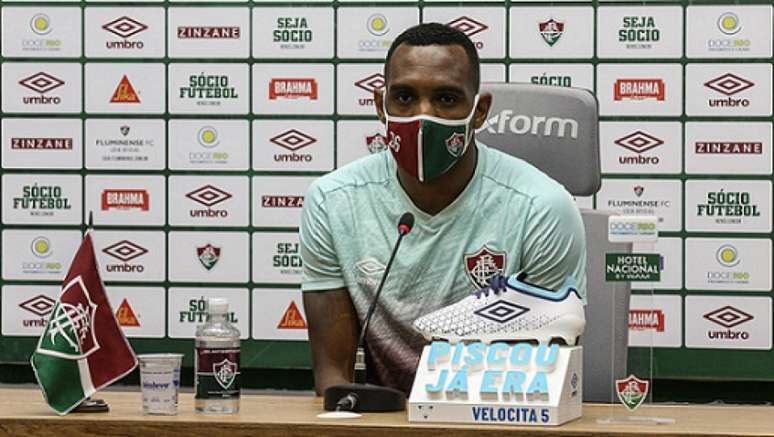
[{"x": 333, "y": 334}]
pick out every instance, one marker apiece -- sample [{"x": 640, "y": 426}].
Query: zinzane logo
[
  {"x": 282, "y": 201},
  {"x": 535, "y": 125}
]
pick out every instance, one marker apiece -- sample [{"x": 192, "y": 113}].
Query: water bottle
[{"x": 216, "y": 364}]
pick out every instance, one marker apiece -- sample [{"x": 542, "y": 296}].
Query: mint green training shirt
[{"x": 511, "y": 217}]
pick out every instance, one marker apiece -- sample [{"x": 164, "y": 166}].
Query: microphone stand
[{"x": 360, "y": 396}]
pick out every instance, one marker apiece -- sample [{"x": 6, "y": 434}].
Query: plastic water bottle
[{"x": 216, "y": 365}]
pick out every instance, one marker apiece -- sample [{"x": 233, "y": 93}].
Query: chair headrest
[{"x": 556, "y": 129}]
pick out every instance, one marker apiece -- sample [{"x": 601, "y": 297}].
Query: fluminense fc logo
[
  {"x": 483, "y": 264},
  {"x": 225, "y": 372},
  {"x": 631, "y": 391},
  {"x": 208, "y": 255},
  {"x": 70, "y": 332},
  {"x": 455, "y": 144},
  {"x": 551, "y": 30}
]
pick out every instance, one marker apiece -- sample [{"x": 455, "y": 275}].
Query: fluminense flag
[{"x": 82, "y": 348}]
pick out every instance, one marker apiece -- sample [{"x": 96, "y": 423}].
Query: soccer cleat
[{"x": 510, "y": 309}]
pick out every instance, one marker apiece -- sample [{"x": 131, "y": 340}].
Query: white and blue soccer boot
[{"x": 510, "y": 310}]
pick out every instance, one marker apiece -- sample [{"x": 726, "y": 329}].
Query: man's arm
[{"x": 333, "y": 335}]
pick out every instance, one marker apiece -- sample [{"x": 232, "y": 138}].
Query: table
[{"x": 23, "y": 412}]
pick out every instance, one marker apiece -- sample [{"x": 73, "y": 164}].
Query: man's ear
[
  {"x": 378, "y": 102},
  {"x": 482, "y": 110}
]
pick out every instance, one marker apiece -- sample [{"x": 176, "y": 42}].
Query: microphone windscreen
[{"x": 406, "y": 222}]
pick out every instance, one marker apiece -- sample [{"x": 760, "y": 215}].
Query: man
[{"x": 478, "y": 212}]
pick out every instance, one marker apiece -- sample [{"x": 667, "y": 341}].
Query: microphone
[{"x": 361, "y": 396}]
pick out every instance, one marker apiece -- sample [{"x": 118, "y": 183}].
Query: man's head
[
  {"x": 429, "y": 100},
  {"x": 432, "y": 69},
  {"x": 442, "y": 35}
]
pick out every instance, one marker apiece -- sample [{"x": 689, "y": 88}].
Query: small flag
[{"x": 82, "y": 348}]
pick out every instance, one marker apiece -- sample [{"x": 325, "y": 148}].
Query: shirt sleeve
[
  {"x": 555, "y": 242},
  {"x": 321, "y": 264}
]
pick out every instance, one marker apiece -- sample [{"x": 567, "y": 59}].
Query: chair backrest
[{"x": 556, "y": 129}]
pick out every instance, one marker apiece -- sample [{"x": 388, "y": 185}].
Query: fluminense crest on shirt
[{"x": 481, "y": 265}]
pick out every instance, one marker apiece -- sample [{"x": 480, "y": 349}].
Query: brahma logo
[
  {"x": 545, "y": 126},
  {"x": 282, "y": 201},
  {"x": 208, "y": 196},
  {"x": 125, "y": 199},
  {"x": 41, "y": 83},
  {"x": 209, "y": 32},
  {"x": 639, "y": 89},
  {"x": 41, "y": 143},
  {"x": 646, "y": 320},
  {"x": 728, "y": 317},
  {"x": 639, "y": 142},
  {"x": 293, "y": 140},
  {"x": 551, "y": 31},
  {"x": 728, "y": 147},
  {"x": 124, "y": 92},
  {"x": 125, "y": 251},
  {"x": 293, "y": 88},
  {"x": 728, "y": 85},
  {"x": 469, "y": 27},
  {"x": 374, "y": 82},
  {"x": 125, "y": 27},
  {"x": 481, "y": 265}
]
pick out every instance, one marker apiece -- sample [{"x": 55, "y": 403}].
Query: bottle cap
[{"x": 217, "y": 305}]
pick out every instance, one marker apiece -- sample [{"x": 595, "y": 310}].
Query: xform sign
[{"x": 548, "y": 127}]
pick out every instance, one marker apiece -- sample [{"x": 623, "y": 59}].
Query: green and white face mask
[{"x": 427, "y": 147}]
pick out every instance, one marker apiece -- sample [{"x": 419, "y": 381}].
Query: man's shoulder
[
  {"x": 522, "y": 177},
  {"x": 363, "y": 172}
]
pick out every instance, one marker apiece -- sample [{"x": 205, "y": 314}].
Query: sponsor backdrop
[{"x": 191, "y": 131}]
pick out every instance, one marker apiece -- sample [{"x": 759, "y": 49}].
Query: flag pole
[{"x": 90, "y": 405}]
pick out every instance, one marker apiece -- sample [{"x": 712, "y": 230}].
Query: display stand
[
  {"x": 500, "y": 383},
  {"x": 643, "y": 266}
]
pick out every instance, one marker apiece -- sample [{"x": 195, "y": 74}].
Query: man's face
[{"x": 432, "y": 80}]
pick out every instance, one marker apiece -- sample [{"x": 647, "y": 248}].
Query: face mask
[{"x": 427, "y": 147}]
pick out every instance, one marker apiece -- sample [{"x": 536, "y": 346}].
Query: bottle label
[{"x": 217, "y": 373}]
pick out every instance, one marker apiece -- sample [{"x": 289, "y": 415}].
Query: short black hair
[{"x": 426, "y": 34}]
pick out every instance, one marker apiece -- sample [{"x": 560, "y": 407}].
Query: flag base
[{"x": 92, "y": 406}]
